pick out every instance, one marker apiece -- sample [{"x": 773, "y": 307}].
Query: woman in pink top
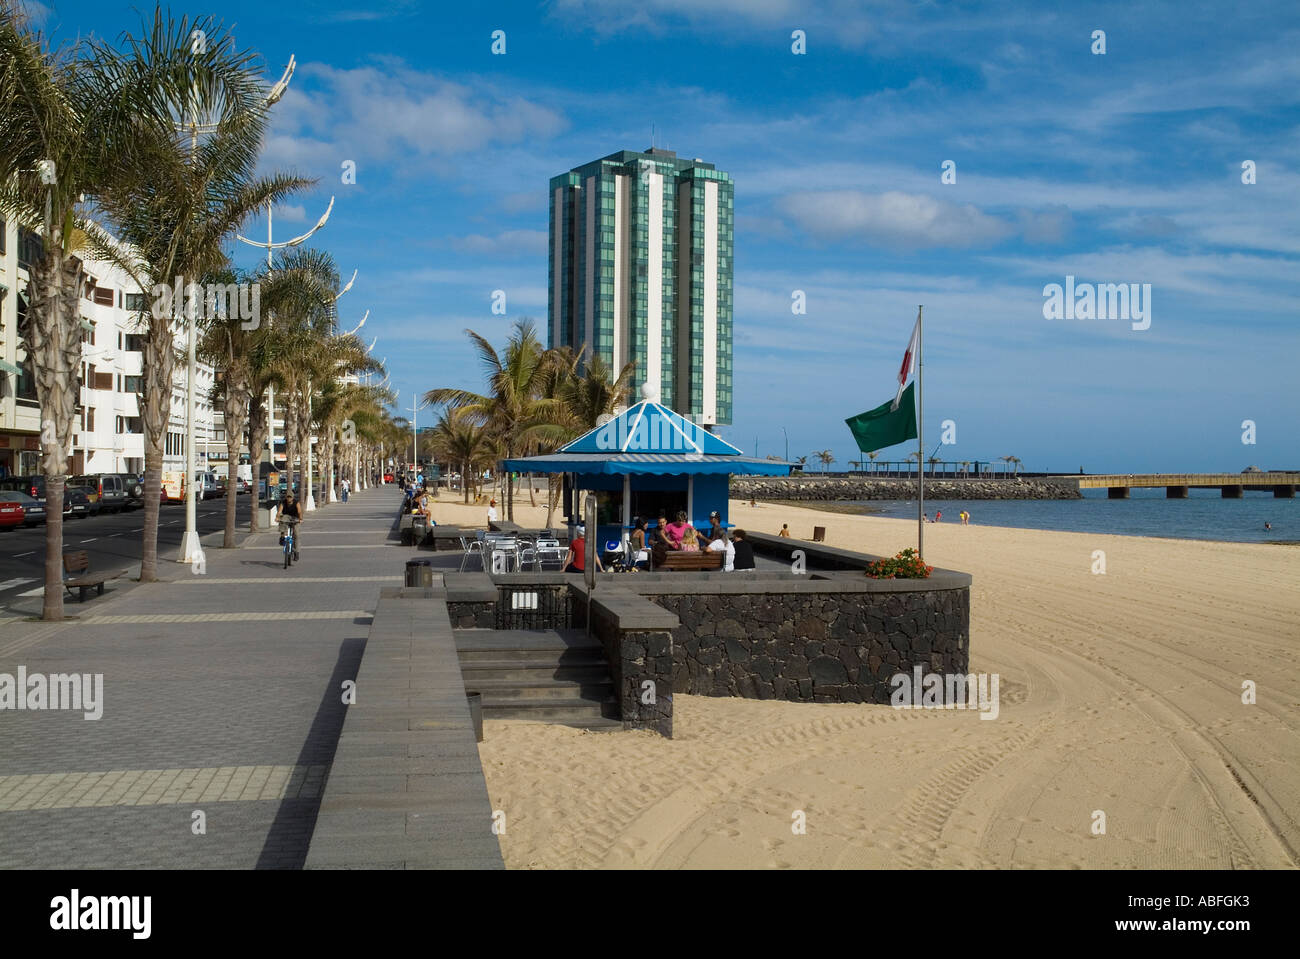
[{"x": 675, "y": 531}]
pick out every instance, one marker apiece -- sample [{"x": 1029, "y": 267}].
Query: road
[{"x": 112, "y": 541}]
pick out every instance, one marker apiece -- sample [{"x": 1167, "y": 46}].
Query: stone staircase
[{"x": 550, "y": 676}]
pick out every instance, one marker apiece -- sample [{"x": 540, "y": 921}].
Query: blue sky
[{"x": 1117, "y": 168}]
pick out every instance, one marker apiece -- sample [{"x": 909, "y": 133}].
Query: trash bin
[
  {"x": 819, "y": 534},
  {"x": 475, "y": 701},
  {"x": 419, "y": 573}
]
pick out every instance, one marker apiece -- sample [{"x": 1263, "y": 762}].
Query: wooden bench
[
  {"x": 79, "y": 562},
  {"x": 704, "y": 560}
]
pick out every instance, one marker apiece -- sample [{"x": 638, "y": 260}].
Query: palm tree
[
  {"x": 460, "y": 440},
  {"x": 872, "y": 456},
  {"x": 1006, "y": 463},
  {"x": 48, "y": 120},
  {"x": 933, "y": 461},
  {"x": 513, "y": 411},
  {"x": 801, "y": 462},
  {"x": 177, "y": 196},
  {"x": 965, "y": 468},
  {"x": 826, "y": 457},
  {"x": 915, "y": 456}
]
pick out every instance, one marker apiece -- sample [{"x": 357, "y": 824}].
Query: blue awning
[{"x": 648, "y": 464}]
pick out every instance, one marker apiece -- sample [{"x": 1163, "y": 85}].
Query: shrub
[{"x": 906, "y": 565}]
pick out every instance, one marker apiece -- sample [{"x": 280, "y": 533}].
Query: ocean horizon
[{"x": 1204, "y": 514}]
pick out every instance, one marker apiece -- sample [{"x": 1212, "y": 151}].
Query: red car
[{"x": 12, "y": 515}]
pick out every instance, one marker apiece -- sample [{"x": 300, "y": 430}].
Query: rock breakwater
[{"x": 809, "y": 487}]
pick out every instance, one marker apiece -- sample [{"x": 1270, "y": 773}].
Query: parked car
[
  {"x": 33, "y": 486},
  {"x": 108, "y": 487},
  {"x": 12, "y": 514},
  {"x": 75, "y": 503},
  {"x": 208, "y": 487},
  {"x": 133, "y": 490},
  {"x": 93, "y": 502},
  {"x": 33, "y": 509}
]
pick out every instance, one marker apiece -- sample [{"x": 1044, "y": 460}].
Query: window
[
  {"x": 133, "y": 302},
  {"x": 31, "y": 249},
  {"x": 103, "y": 296}
]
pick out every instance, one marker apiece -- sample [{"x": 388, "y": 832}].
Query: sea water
[{"x": 1203, "y": 515}]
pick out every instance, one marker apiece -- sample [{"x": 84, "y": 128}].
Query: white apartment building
[{"x": 109, "y": 436}]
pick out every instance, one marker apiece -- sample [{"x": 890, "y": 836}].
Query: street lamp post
[
  {"x": 415, "y": 411},
  {"x": 787, "y": 444},
  {"x": 190, "y": 548}
]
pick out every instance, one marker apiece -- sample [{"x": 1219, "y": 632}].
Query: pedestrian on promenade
[
  {"x": 492, "y": 512},
  {"x": 345, "y": 487}
]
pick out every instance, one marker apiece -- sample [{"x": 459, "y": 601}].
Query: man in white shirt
[
  {"x": 492, "y": 511},
  {"x": 723, "y": 544}
]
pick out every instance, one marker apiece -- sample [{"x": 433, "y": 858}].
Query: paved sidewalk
[{"x": 222, "y": 693}]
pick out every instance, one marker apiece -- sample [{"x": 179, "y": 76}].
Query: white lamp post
[{"x": 190, "y": 547}]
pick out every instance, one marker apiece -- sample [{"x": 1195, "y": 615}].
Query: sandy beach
[{"x": 1121, "y": 694}]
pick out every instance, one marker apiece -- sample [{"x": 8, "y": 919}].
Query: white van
[{"x": 207, "y": 486}]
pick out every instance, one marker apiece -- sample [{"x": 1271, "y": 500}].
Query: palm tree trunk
[
  {"x": 258, "y": 428},
  {"x": 54, "y": 343},
  {"x": 550, "y": 499},
  {"x": 290, "y": 438},
  {"x": 159, "y": 359},
  {"x": 236, "y": 407},
  {"x": 532, "y": 494}
]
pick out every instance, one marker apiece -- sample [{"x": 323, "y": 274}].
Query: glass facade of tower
[{"x": 641, "y": 272}]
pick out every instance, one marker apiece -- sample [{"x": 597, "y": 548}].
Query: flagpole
[{"x": 920, "y": 434}]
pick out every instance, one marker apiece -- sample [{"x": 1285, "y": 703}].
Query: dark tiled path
[{"x": 222, "y": 695}]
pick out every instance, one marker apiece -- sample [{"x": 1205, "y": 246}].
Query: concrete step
[
  {"x": 499, "y": 690},
  {"x": 555, "y": 657},
  {"x": 569, "y": 711},
  {"x": 535, "y": 672}
]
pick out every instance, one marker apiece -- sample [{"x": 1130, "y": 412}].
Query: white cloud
[
  {"x": 510, "y": 242},
  {"x": 892, "y": 219},
  {"x": 389, "y": 115}
]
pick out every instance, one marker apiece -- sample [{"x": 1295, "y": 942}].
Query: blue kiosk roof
[{"x": 648, "y": 439}]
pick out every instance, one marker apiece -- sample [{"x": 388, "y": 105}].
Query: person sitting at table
[
  {"x": 715, "y": 526},
  {"x": 576, "y": 560},
  {"x": 640, "y": 555},
  {"x": 659, "y": 536},
  {"x": 676, "y": 530},
  {"x": 744, "y": 550},
  {"x": 723, "y": 545},
  {"x": 690, "y": 540}
]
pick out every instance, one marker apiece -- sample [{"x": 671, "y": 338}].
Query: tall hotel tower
[{"x": 641, "y": 271}]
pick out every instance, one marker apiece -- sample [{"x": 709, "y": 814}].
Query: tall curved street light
[{"x": 190, "y": 547}]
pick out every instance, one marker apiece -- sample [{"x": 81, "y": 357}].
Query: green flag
[{"x": 881, "y": 427}]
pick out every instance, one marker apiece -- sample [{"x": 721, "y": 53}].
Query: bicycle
[{"x": 287, "y": 538}]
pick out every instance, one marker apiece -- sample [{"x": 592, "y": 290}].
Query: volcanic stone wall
[{"x": 819, "y": 646}]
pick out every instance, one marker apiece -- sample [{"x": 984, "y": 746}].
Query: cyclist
[{"x": 290, "y": 513}]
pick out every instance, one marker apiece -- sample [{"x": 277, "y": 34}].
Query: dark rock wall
[{"x": 815, "y": 647}]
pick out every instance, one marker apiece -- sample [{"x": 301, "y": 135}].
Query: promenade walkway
[{"x": 222, "y": 694}]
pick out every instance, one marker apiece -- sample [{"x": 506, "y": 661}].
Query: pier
[{"x": 1230, "y": 485}]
